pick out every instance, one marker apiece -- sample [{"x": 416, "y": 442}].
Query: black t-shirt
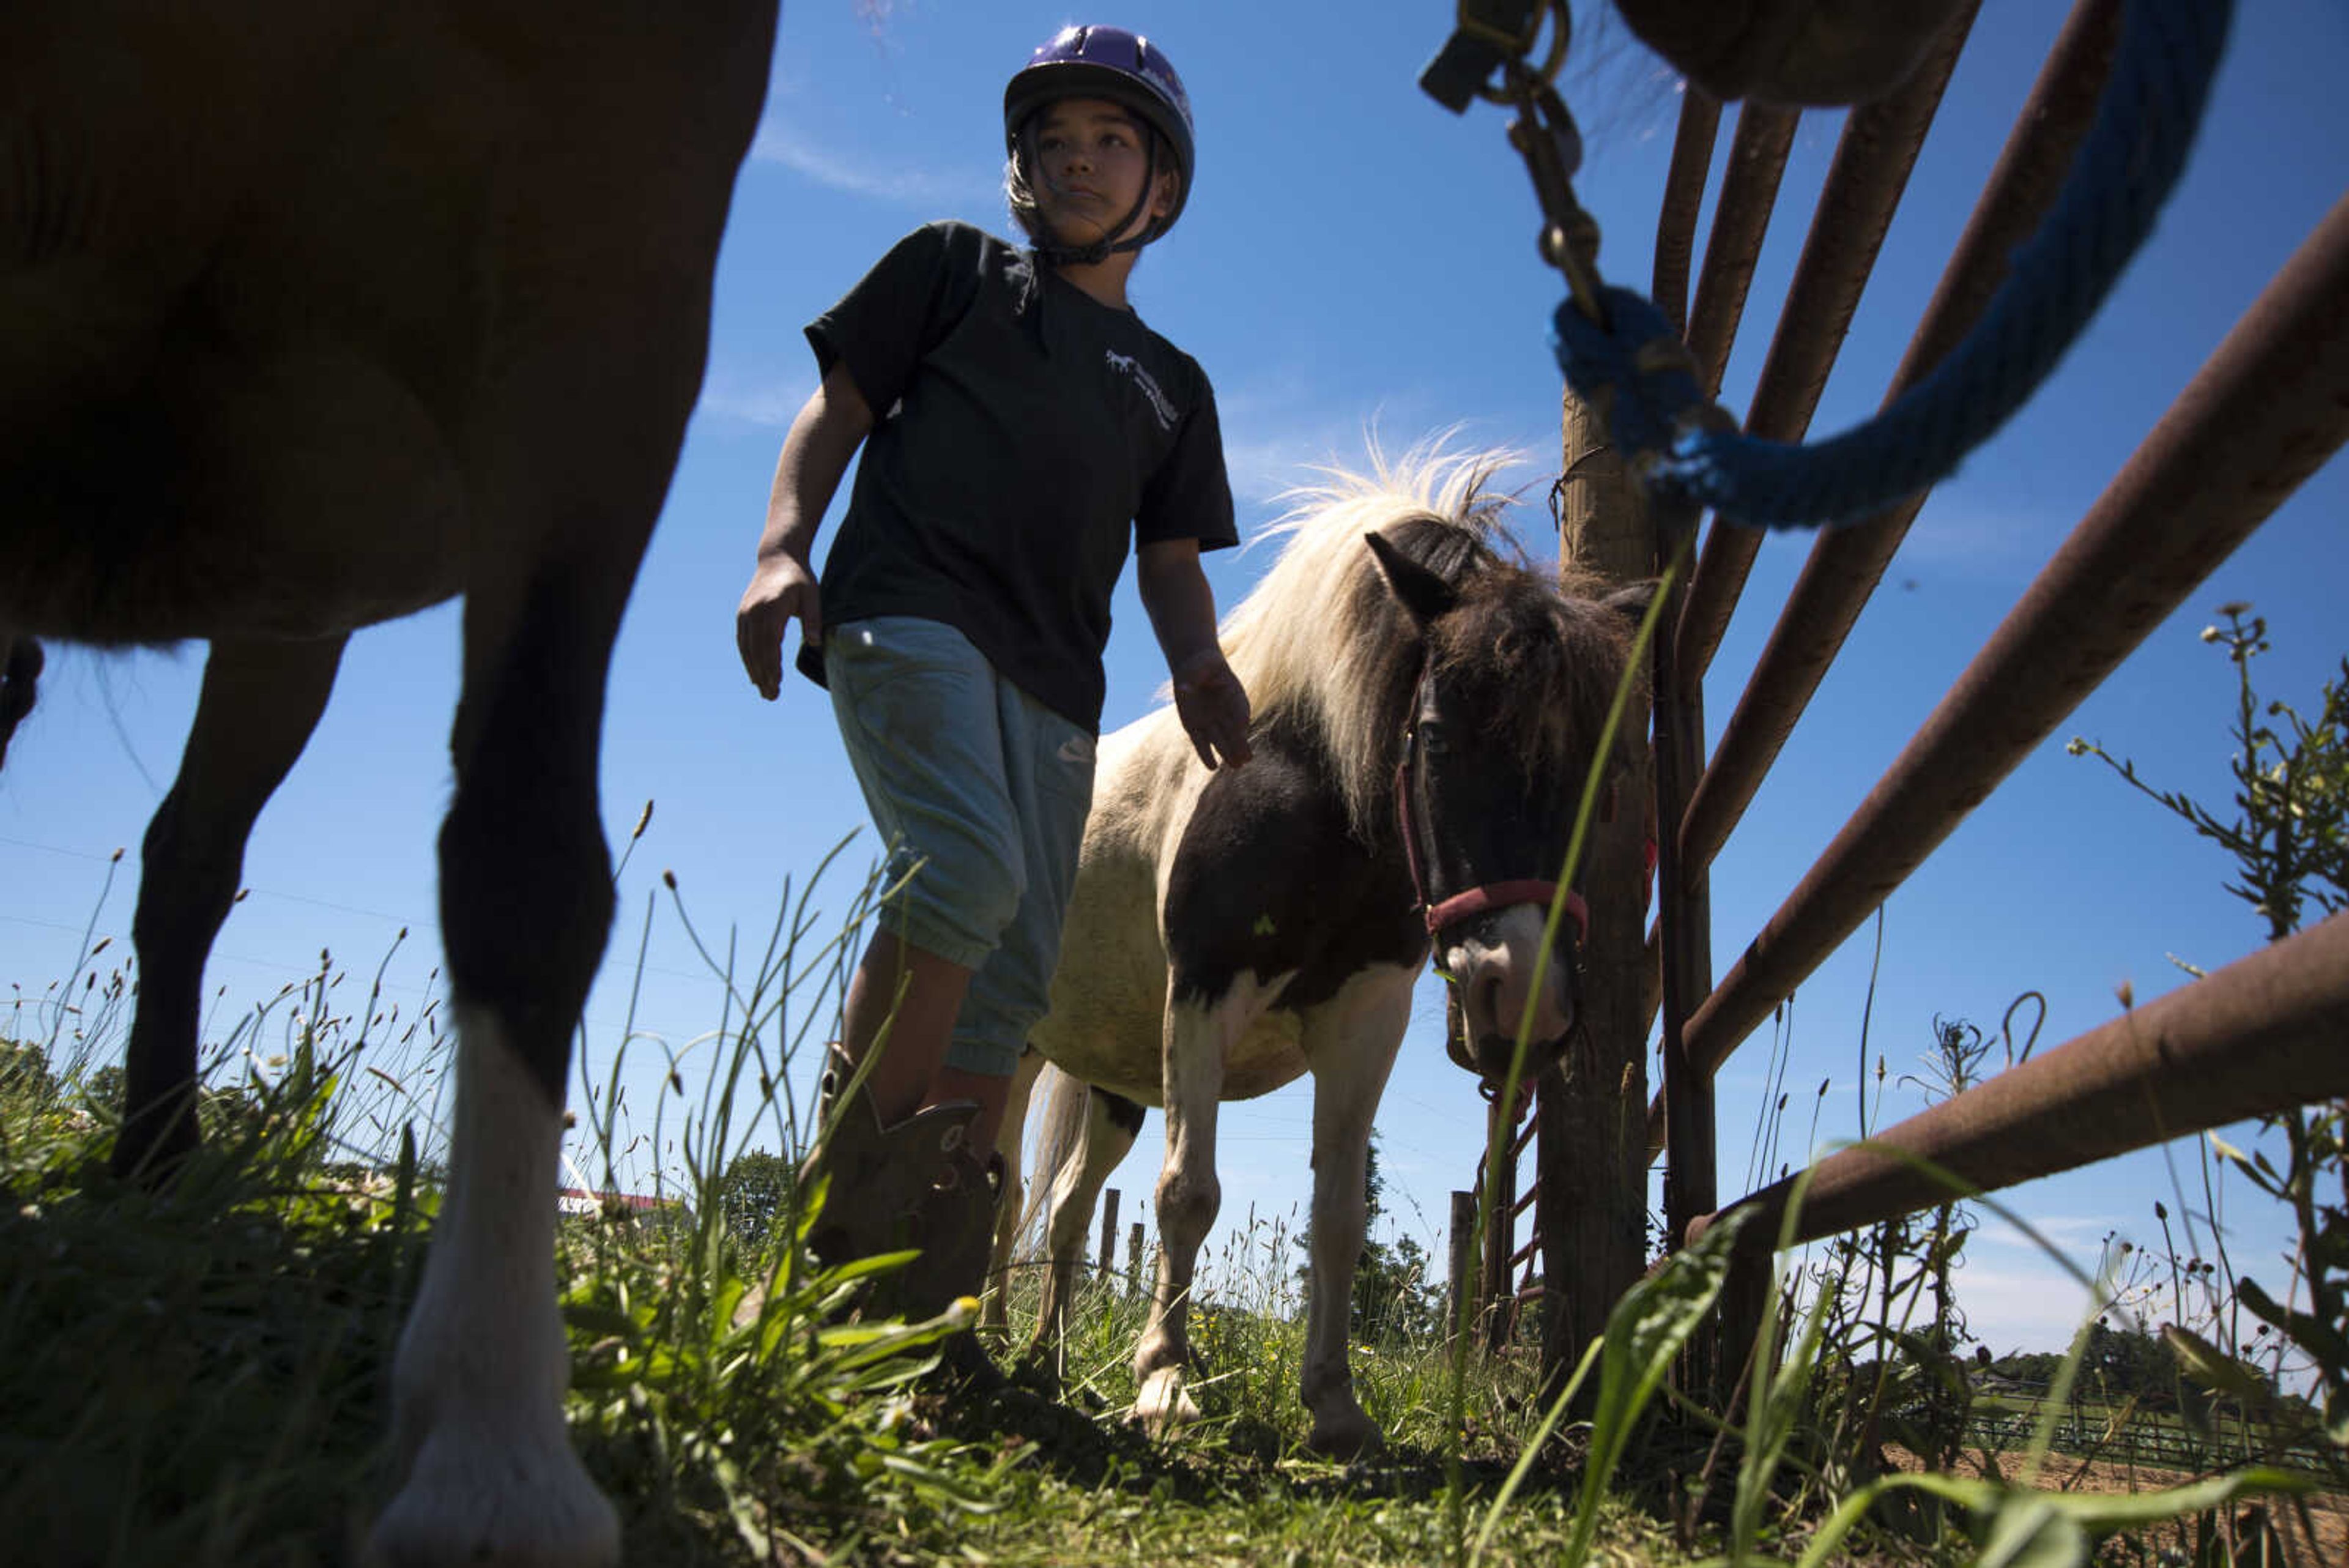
[{"x": 1020, "y": 426}]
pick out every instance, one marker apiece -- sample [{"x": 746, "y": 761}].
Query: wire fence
[{"x": 2151, "y": 1444}]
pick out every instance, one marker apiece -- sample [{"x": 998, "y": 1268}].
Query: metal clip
[
  {"x": 1487, "y": 33},
  {"x": 1499, "y": 35}
]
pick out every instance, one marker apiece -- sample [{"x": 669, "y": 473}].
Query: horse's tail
[
  {"x": 1059, "y": 1140},
  {"x": 20, "y": 667}
]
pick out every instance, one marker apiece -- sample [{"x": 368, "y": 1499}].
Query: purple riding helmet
[{"x": 1126, "y": 69}]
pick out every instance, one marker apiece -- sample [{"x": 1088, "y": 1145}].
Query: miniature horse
[
  {"x": 1427, "y": 714},
  {"x": 421, "y": 311}
]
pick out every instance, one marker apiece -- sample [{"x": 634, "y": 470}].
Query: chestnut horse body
[{"x": 313, "y": 313}]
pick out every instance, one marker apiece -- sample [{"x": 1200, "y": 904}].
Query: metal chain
[
  {"x": 1546, "y": 139},
  {"x": 1490, "y": 56}
]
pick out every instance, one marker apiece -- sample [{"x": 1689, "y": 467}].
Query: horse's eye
[{"x": 1432, "y": 740}]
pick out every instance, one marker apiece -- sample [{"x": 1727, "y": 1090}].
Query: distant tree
[
  {"x": 2129, "y": 1361},
  {"x": 2036, "y": 1369},
  {"x": 28, "y": 1090},
  {"x": 25, "y": 1071},
  {"x": 754, "y": 1194},
  {"x": 102, "y": 1090},
  {"x": 1395, "y": 1295}
]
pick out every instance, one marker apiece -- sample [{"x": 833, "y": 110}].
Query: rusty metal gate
[{"x": 2266, "y": 410}]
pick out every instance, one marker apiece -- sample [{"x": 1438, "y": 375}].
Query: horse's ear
[
  {"x": 1631, "y": 603},
  {"x": 1425, "y": 594}
]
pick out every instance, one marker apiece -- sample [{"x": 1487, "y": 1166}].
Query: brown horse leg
[
  {"x": 20, "y": 668},
  {"x": 525, "y": 902},
  {"x": 259, "y": 705}
]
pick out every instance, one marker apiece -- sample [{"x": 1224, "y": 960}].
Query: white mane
[{"x": 1319, "y": 638}]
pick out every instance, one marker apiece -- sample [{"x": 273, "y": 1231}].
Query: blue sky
[{"x": 1355, "y": 256}]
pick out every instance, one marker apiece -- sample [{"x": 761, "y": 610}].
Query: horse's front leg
[
  {"x": 1350, "y": 1042},
  {"x": 1195, "y": 1036},
  {"x": 525, "y": 902},
  {"x": 21, "y": 660},
  {"x": 259, "y": 705}
]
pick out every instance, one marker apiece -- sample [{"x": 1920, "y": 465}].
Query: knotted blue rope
[{"x": 2124, "y": 171}]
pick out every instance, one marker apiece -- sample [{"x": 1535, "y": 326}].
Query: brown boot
[
  {"x": 881, "y": 1176},
  {"x": 954, "y": 1225}
]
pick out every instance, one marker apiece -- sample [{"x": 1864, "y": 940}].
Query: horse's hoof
[
  {"x": 506, "y": 1502},
  {"x": 1352, "y": 1435},
  {"x": 1039, "y": 1370},
  {"x": 1164, "y": 1406},
  {"x": 965, "y": 1370}
]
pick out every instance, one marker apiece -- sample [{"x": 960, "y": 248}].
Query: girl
[{"x": 1017, "y": 418}]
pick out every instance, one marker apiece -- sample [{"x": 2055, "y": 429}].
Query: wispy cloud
[
  {"x": 1976, "y": 540},
  {"x": 846, "y": 168},
  {"x": 1277, "y": 432},
  {"x": 1273, "y": 462},
  {"x": 769, "y": 404},
  {"x": 2078, "y": 1236},
  {"x": 2021, "y": 1308}
]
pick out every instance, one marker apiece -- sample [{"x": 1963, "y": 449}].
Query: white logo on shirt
[{"x": 1125, "y": 364}]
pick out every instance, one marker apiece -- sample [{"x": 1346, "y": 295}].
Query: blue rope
[{"x": 2125, "y": 170}]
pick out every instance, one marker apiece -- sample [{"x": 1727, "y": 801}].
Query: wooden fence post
[
  {"x": 1461, "y": 1277},
  {"x": 1109, "y": 1235},
  {"x": 1134, "y": 1260},
  {"x": 1591, "y": 1159}
]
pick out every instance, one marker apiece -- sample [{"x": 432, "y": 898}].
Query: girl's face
[{"x": 1092, "y": 155}]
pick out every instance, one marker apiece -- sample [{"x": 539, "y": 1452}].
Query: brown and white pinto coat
[{"x": 1232, "y": 931}]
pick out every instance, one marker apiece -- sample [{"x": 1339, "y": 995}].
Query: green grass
[{"x": 199, "y": 1377}]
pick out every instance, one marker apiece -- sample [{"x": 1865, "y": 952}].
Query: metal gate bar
[
  {"x": 2265, "y": 1033},
  {"x": 1862, "y": 191},
  {"x": 1846, "y": 563},
  {"x": 2264, "y": 412}
]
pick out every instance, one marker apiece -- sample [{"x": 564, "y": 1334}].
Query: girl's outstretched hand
[
  {"x": 1213, "y": 708},
  {"x": 781, "y": 590}
]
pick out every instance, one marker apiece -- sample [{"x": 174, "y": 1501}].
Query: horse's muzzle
[
  {"x": 1488, "y": 1057},
  {"x": 1502, "y": 987}
]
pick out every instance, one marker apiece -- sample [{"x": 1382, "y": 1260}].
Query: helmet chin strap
[{"x": 1101, "y": 249}]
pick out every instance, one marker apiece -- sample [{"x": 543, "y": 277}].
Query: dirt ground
[{"x": 2328, "y": 1512}]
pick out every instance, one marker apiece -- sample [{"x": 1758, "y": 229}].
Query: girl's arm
[
  {"x": 782, "y": 589},
  {"x": 1208, "y": 697}
]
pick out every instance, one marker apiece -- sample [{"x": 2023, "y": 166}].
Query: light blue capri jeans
[{"x": 980, "y": 791}]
